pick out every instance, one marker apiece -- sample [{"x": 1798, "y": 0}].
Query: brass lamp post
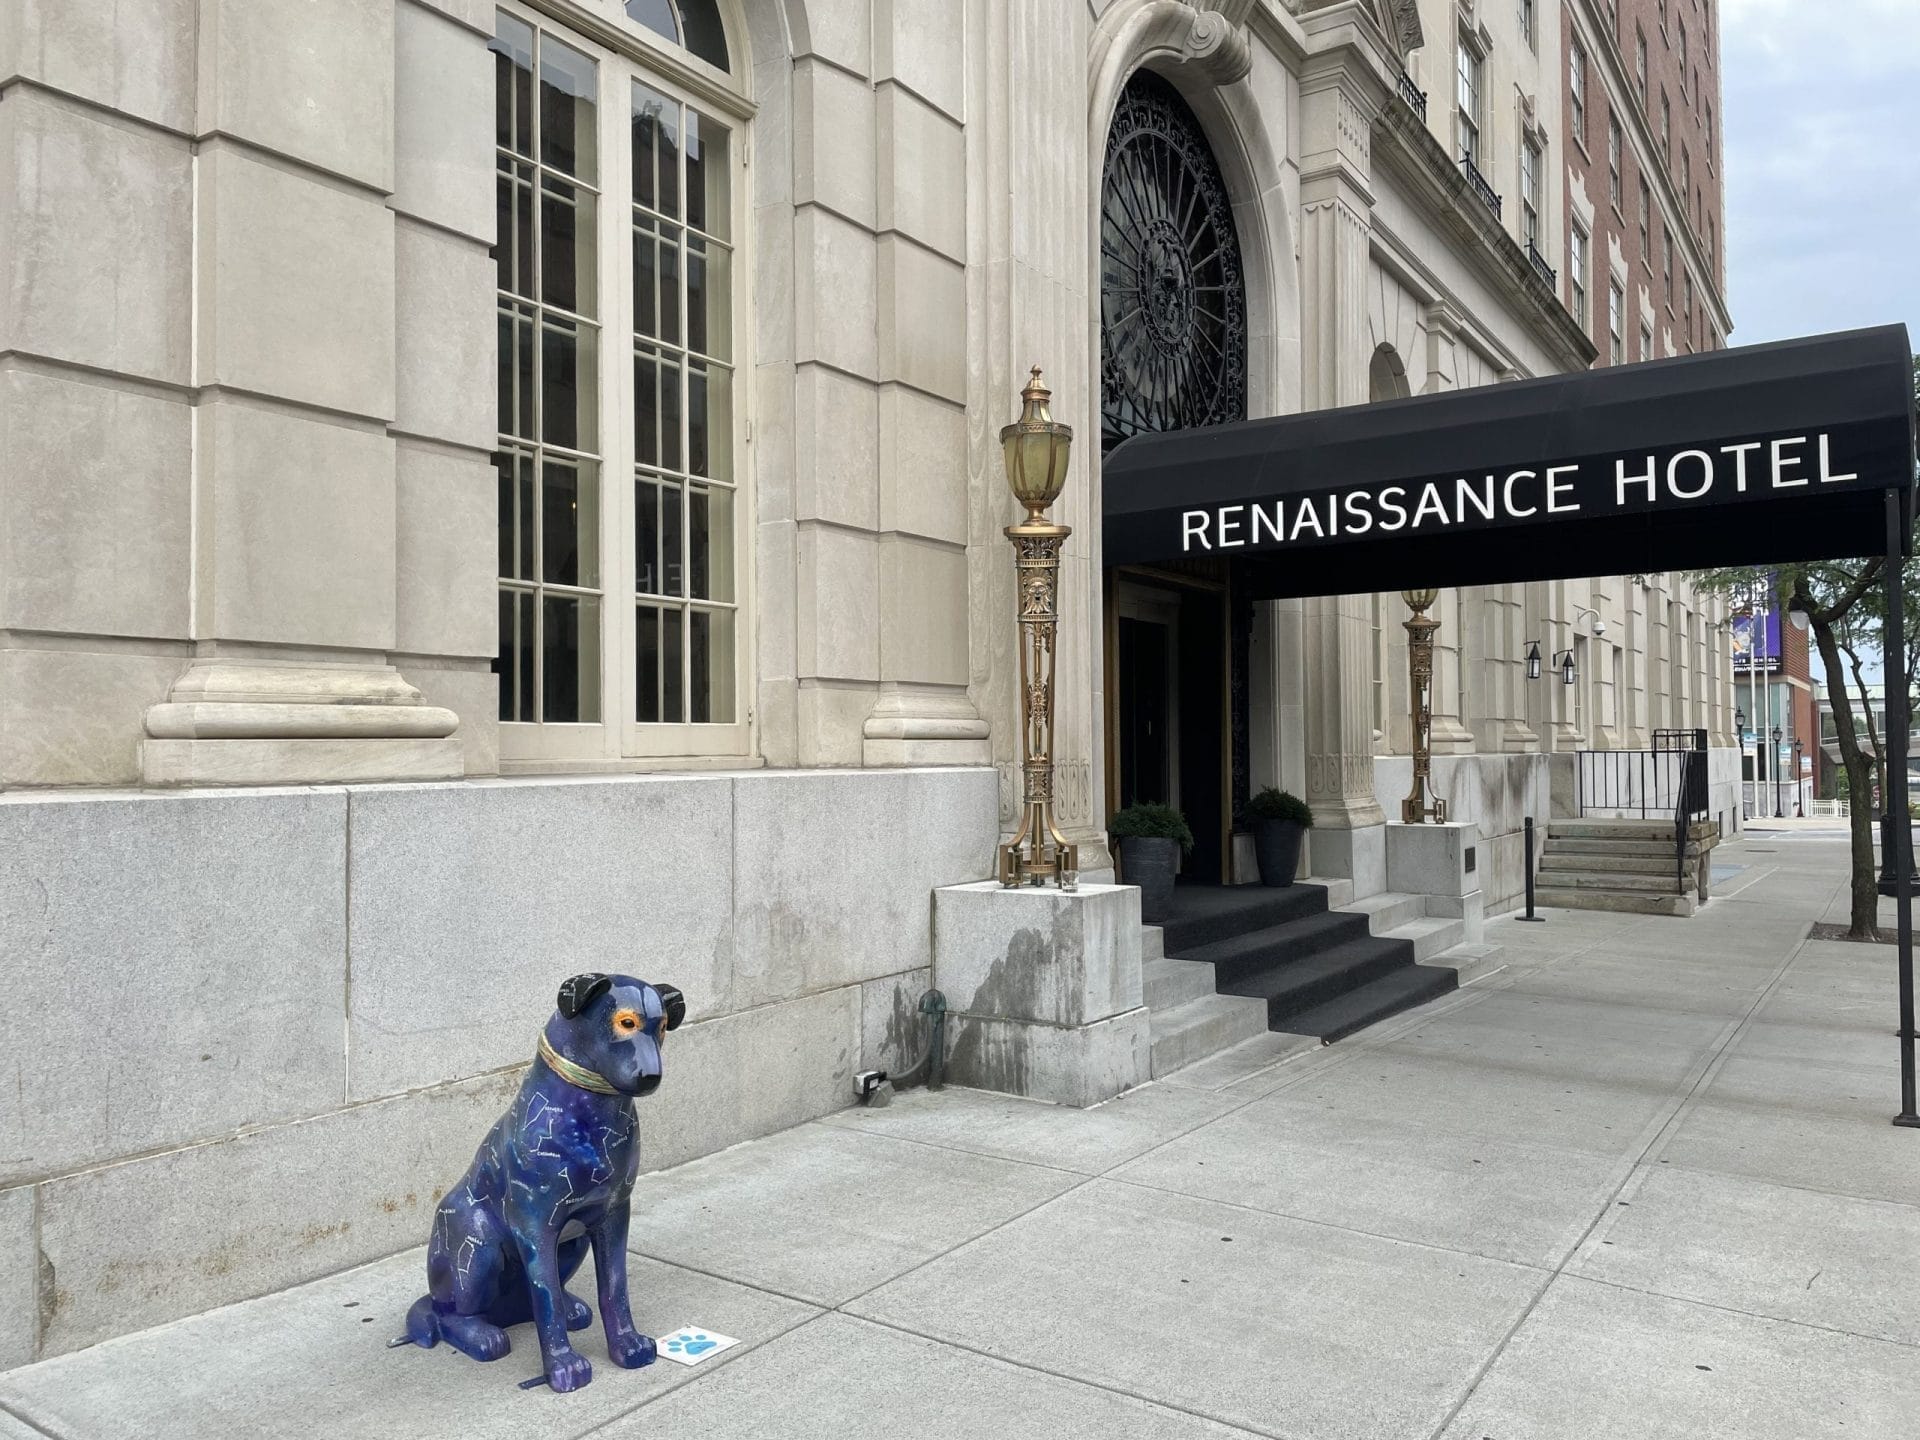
[
  {"x": 1037, "y": 447},
  {"x": 1415, "y": 809}
]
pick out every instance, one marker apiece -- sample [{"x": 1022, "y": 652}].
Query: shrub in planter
[
  {"x": 1152, "y": 838},
  {"x": 1280, "y": 822}
]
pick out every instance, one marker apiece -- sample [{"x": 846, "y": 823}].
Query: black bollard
[{"x": 1536, "y": 919}]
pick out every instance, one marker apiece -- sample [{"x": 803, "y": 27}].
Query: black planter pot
[
  {"x": 1148, "y": 861},
  {"x": 1276, "y": 845}
]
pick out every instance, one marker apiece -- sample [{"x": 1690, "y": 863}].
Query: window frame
[
  {"x": 1616, "y": 321},
  {"x": 1646, "y": 221},
  {"x": 1579, "y": 256},
  {"x": 1577, "y": 91},
  {"x": 1616, "y": 161},
  {"x": 617, "y": 740},
  {"x": 1532, "y": 169},
  {"x": 1469, "y": 79}
]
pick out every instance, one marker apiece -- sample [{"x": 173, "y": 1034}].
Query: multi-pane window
[
  {"x": 1646, "y": 342},
  {"x": 1577, "y": 91},
  {"x": 1713, "y": 242},
  {"x": 1615, "y": 145},
  {"x": 1683, "y": 53},
  {"x": 1709, "y": 123},
  {"x": 1640, "y": 61},
  {"x": 1530, "y": 193},
  {"x": 1686, "y": 173},
  {"x": 1686, "y": 314},
  {"x": 546, "y": 132},
  {"x": 1666, "y": 264},
  {"x": 1646, "y": 221},
  {"x": 1666, "y": 126},
  {"x": 1528, "y": 24},
  {"x": 1616, "y": 322},
  {"x": 1467, "y": 68},
  {"x": 1577, "y": 272},
  {"x": 619, "y": 516}
]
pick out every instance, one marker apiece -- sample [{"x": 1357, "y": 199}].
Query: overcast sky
[{"x": 1822, "y": 148}]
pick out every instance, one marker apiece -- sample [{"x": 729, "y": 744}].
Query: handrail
[
  {"x": 1637, "y": 780},
  {"x": 1413, "y": 95}
]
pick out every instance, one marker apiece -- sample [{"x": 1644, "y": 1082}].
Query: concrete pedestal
[
  {"x": 1442, "y": 863},
  {"x": 1043, "y": 990}
]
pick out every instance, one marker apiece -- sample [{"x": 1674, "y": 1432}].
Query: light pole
[
  {"x": 1036, "y": 447},
  {"x": 1799, "y": 784},
  {"x": 1415, "y": 808},
  {"x": 1746, "y": 789},
  {"x": 1775, "y": 763}
]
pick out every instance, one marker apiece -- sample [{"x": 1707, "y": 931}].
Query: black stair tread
[
  {"x": 1391, "y": 993},
  {"x": 1294, "y": 937},
  {"x": 1201, "y": 914},
  {"x": 1315, "y": 979}
]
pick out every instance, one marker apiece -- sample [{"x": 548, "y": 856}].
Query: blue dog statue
[{"x": 554, "y": 1175}]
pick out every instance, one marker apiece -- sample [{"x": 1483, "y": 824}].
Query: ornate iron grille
[{"x": 1173, "y": 302}]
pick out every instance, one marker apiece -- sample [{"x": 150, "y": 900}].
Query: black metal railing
[
  {"x": 1478, "y": 184},
  {"x": 1669, "y": 780},
  {"x": 1415, "y": 97},
  {"x": 1540, "y": 267}
]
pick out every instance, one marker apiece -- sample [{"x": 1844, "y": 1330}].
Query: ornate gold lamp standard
[
  {"x": 1036, "y": 448},
  {"x": 1415, "y": 809}
]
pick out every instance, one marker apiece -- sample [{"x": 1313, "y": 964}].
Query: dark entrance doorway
[{"x": 1169, "y": 726}]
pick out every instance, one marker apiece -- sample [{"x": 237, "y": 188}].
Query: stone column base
[
  {"x": 919, "y": 727},
  {"x": 1043, "y": 990},
  {"x": 231, "y": 721},
  {"x": 1358, "y": 855}
]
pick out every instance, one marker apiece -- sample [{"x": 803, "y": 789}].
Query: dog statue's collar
[{"x": 573, "y": 1074}]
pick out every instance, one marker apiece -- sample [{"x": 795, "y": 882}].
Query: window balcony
[
  {"x": 1540, "y": 267},
  {"x": 1414, "y": 97},
  {"x": 1478, "y": 184}
]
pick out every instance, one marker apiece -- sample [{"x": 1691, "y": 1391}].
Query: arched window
[
  {"x": 1173, "y": 302},
  {"x": 620, "y": 200},
  {"x": 694, "y": 24}
]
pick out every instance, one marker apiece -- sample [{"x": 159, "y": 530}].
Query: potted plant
[
  {"x": 1280, "y": 820},
  {"x": 1152, "y": 838}
]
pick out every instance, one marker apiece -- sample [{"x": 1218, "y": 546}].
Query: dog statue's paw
[
  {"x": 568, "y": 1370},
  {"x": 630, "y": 1350}
]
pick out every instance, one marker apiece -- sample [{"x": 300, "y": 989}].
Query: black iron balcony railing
[
  {"x": 1539, "y": 262},
  {"x": 1478, "y": 183},
  {"x": 1415, "y": 97}
]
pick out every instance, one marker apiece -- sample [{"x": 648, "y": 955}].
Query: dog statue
[{"x": 554, "y": 1175}]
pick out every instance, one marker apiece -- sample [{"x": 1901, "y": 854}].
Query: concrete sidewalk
[{"x": 1637, "y": 1183}]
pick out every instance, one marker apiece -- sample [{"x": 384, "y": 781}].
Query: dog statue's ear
[
  {"x": 581, "y": 991},
  {"x": 673, "y": 1003}
]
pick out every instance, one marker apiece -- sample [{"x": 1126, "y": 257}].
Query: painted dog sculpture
[{"x": 554, "y": 1175}]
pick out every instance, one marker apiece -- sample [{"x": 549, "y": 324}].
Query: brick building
[{"x": 1644, "y": 269}]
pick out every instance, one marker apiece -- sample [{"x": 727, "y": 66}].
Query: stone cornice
[
  {"x": 1405, "y": 145},
  {"x": 1600, "y": 44}
]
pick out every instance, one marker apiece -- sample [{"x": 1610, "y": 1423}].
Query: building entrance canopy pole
[{"x": 1798, "y": 451}]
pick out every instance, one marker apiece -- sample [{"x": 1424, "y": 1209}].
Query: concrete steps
[
  {"x": 1199, "y": 1028},
  {"x": 1625, "y": 866},
  {"x": 1625, "y": 902}
]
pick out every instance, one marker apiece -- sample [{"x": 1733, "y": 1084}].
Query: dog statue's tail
[{"x": 423, "y": 1325}]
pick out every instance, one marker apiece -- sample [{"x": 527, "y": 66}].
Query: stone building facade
[{"x": 496, "y": 490}]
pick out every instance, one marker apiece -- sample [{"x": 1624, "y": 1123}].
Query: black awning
[{"x": 1767, "y": 453}]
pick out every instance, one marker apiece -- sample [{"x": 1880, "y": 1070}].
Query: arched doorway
[{"x": 1173, "y": 356}]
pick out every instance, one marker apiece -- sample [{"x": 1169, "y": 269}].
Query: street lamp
[
  {"x": 1740, "y": 733},
  {"x": 1799, "y": 783},
  {"x": 1415, "y": 808},
  {"x": 1775, "y": 764},
  {"x": 1036, "y": 448}
]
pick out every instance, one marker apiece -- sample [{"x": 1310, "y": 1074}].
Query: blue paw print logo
[{"x": 698, "y": 1343}]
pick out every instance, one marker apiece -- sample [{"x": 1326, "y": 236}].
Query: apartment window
[
  {"x": 1646, "y": 342},
  {"x": 1640, "y": 61},
  {"x": 1666, "y": 264},
  {"x": 1577, "y": 90},
  {"x": 1683, "y": 56},
  {"x": 619, "y": 518},
  {"x": 1615, "y": 144},
  {"x": 1528, "y": 29},
  {"x": 1709, "y": 124},
  {"x": 1616, "y": 322},
  {"x": 1686, "y": 176},
  {"x": 1577, "y": 272},
  {"x": 1686, "y": 314},
  {"x": 1646, "y": 222},
  {"x": 1713, "y": 242},
  {"x": 1663, "y": 16},
  {"x": 1467, "y": 102},
  {"x": 1530, "y": 193},
  {"x": 1666, "y": 127}
]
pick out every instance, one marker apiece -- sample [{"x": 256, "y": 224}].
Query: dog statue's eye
[{"x": 626, "y": 1021}]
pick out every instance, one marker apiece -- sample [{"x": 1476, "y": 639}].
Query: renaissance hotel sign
[
  {"x": 1773, "y": 453},
  {"x": 1622, "y": 485}
]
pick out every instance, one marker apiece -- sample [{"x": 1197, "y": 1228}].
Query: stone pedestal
[
  {"x": 1043, "y": 990},
  {"x": 1442, "y": 863}
]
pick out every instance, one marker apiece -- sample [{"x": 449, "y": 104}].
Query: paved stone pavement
[{"x": 1637, "y": 1182}]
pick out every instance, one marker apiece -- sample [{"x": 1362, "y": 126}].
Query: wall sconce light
[
  {"x": 1567, "y": 673},
  {"x": 1533, "y": 659}
]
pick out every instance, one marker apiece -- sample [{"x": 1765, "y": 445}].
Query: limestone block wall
[
  {"x": 246, "y": 372},
  {"x": 1492, "y": 792},
  {"x": 249, "y": 1036}
]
